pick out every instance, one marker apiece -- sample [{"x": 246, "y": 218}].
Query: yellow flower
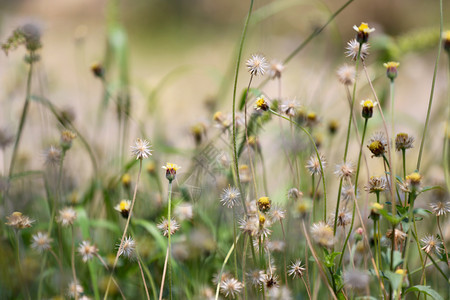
[
  {"x": 363, "y": 32},
  {"x": 391, "y": 64},
  {"x": 171, "y": 171},
  {"x": 261, "y": 104},
  {"x": 391, "y": 69},
  {"x": 367, "y": 108}
]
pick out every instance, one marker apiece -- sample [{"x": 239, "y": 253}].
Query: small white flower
[
  {"x": 230, "y": 196},
  {"x": 87, "y": 251},
  {"x": 41, "y": 242},
  {"x": 67, "y": 216},
  {"x": 128, "y": 247}
]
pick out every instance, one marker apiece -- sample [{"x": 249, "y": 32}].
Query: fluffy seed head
[
  {"x": 164, "y": 226},
  {"x": 128, "y": 247},
  {"x": 230, "y": 287},
  {"x": 257, "y": 65},
  {"x": 356, "y": 280},
  {"x": 141, "y": 149},
  {"x": 313, "y": 165},
  {"x": 343, "y": 218},
  {"x": 75, "y": 290},
  {"x": 18, "y": 220},
  {"x": 403, "y": 141},
  {"x": 431, "y": 243},
  {"x": 52, "y": 156},
  {"x": 322, "y": 233},
  {"x": 276, "y": 68},
  {"x": 376, "y": 184},
  {"x": 41, "y": 242},
  {"x": 353, "y": 48},
  {"x": 346, "y": 74},
  {"x": 230, "y": 196},
  {"x": 440, "y": 208},
  {"x": 296, "y": 269},
  {"x": 256, "y": 277},
  {"x": 67, "y": 216},
  {"x": 87, "y": 251},
  {"x": 345, "y": 170}
]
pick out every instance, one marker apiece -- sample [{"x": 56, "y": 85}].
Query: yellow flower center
[
  {"x": 377, "y": 206},
  {"x": 363, "y": 27},
  {"x": 391, "y": 64},
  {"x": 368, "y": 104},
  {"x": 123, "y": 205}
]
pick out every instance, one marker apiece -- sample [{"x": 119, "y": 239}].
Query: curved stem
[
  {"x": 74, "y": 273},
  {"x": 223, "y": 266}
]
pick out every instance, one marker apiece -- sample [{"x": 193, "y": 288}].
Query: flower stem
[
  {"x": 124, "y": 231},
  {"x": 443, "y": 240},
  {"x": 74, "y": 273},
  {"x": 22, "y": 120},
  {"x": 238, "y": 61}
]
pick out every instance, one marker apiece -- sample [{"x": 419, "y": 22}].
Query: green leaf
[
  {"x": 394, "y": 220},
  {"x": 329, "y": 259},
  {"x": 254, "y": 91},
  {"x": 429, "y": 188},
  {"x": 426, "y": 290},
  {"x": 394, "y": 278}
]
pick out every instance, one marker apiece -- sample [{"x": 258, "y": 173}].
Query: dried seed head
[
  {"x": 377, "y": 144},
  {"x": 41, "y": 242},
  {"x": 356, "y": 280},
  {"x": 128, "y": 247},
  {"x": 165, "y": 226},
  {"x": 345, "y": 170},
  {"x": 290, "y": 108},
  {"x": 257, "y": 65},
  {"x": 52, "y": 156},
  {"x": 230, "y": 197},
  {"x": 440, "y": 208},
  {"x": 141, "y": 149},
  {"x": 346, "y": 74},
  {"x": 353, "y": 49},
  {"x": 87, "y": 251},
  {"x": 276, "y": 68},
  {"x": 19, "y": 221},
  {"x": 67, "y": 216},
  {"x": 376, "y": 184},
  {"x": 296, "y": 269},
  {"x": 403, "y": 141},
  {"x": 230, "y": 287},
  {"x": 431, "y": 243},
  {"x": 313, "y": 165},
  {"x": 322, "y": 233}
]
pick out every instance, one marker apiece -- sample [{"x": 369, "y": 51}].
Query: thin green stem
[
  {"x": 124, "y": 231},
  {"x": 74, "y": 273},
  {"x": 430, "y": 102},
  {"x": 358, "y": 168},
  {"x": 227, "y": 257},
  {"x": 169, "y": 233},
  {"x": 443, "y": 240},
  {"x": 234, "y": 240},
  {"x": 238, "y": 61},
  {"x": 22, "y": 120},
  {"x": 317, "y": 154}
]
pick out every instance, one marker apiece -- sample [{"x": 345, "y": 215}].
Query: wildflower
[
  {"x": 264, "y": 224},
  {"x": 41, "y": 242},
  {"x": 171, "y": 171},
  {"x": 376, "y": 184},
  {"x": 440, "y": 208},
  {"x": 277, "y": 213},
  {"x": 164, "y": 226},
  {"x": 348, "y": 192},
  {"x": 346, "y": 74},
  {"x": 391, "y": 69},
  {"x": 244, "y": 174},
  {"x": 304, "y": 207},
  {"x": 294, "y": 194},
  {"x": 230, "y": 196},
  {"x": 256, "y": 277},
  {"x": 322, "y": 233},
  {"x": 128, "y": 247},
  {"x": 431, "y": 243},
  {"x": 367, "y": 108},
  {"x": 377, "y": 144},
  {"x": 374, "y": 211},
  {"x": 276, "y": 68},
  {"x": 413, "y": 180},
  {"x": 345, "y": 170},
  {"x": 363, "y": 32},
  {"x": 313, "y": 165},
  {"x": 403, "y": 141},
  {"x": 312, "y": 119},
  {"x": 290, "y": 107},
  {"x": 87, "y": 251},
  {"x": 98, "y": 70},
  {"x": 356, "y": 280},
  {"x": 184, "y": 211},
  {"x": 141, "y": 149},
  {"x": 271, "y": 281},
  {"x": 274, "y": 246},
  {"x": 333, "y": 126},
  {"x": 67, "y": 216},
  {"x": 296, "y": 269},
  {"x": 264, "y": 204},
  {"x": 75, "y": 290},
  {"x": 446, "y": 40},
  {"x": 230, "y": 287},
  {"x": 249, "y": 225},
  {"x": 353, "y": 49},
  {"x": 18, "y": 220},
  {"x": 261, "y": 104},
  {"x": 6, "y": 138},
  {"x": 343, "y": 218},
  {"x": 67, "y": 137},
  {"x": 399, "y": 236},
  {"x": 52, "y": 156},
  {"x": 126, "y": 180},
  {"x": 124, "y": 208},
  {"x": 257, "y": 65}
]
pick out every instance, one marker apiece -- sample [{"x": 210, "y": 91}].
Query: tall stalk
[{"x": 22, "y": 118}]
